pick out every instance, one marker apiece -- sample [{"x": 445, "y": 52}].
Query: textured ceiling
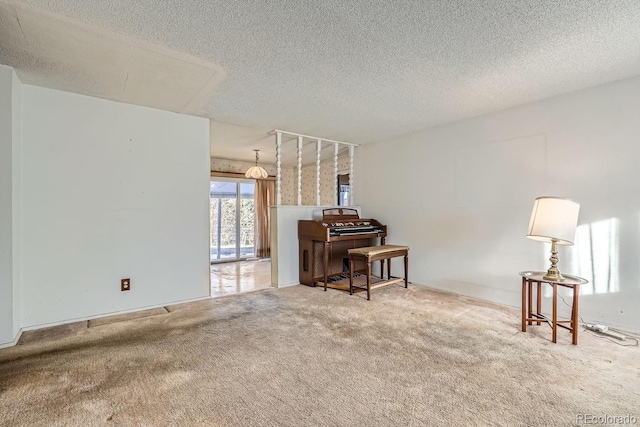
[{"x": 357, "y": 71}]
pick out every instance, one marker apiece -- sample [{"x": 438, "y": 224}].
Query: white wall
[
  {"x": 460, "y": 196},
  {"x": 6, "y": 206},
  {"x": 110, "y": 191},
  {"x": 16, "y": 196},
  {"x": 10, "y": 191}
]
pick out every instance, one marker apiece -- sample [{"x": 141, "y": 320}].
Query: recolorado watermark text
[{"x": 591, "y": 419}]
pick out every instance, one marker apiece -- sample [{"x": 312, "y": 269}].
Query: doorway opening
[
  {"x": 238, "y": 264},
  {"x": 232, "y": 220},
  {"x": 344, "y": 189},
  {"x": 228, "y": 278}
]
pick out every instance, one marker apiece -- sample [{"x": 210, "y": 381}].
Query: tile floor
[{"x": 241, "y": 276}]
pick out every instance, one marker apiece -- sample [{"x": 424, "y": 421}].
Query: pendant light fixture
[{"x": 256, "y": 172}]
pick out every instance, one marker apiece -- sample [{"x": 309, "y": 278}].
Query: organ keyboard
[{"x": 323, "y": 244}]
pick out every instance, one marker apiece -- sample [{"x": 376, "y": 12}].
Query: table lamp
[{"x": 554, "y": 219}]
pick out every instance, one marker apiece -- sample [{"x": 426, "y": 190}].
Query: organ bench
[{"x": 381, "y": 253}]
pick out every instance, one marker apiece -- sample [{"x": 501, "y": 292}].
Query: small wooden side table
[{"x": 529, "y": 278}]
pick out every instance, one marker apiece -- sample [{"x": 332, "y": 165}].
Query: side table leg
[
  {"x": 554, "y": 316},
  {"x": 539, "y": 302},
  {"x": 574, "y": 315},
  {"x": 530, "y": 302},
  {"x": 524, "y": 305}
]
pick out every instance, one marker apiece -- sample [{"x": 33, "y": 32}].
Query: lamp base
[{"x": 553, "y": 276}]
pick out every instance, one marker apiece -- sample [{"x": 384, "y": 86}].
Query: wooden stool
[{"x": 371, "y": 254}]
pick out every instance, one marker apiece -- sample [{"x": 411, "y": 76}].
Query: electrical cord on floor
[
  {"x": 627, "y": 335},
  {"x": 567, "y": 304},
  {"x": 614, "y": 340}
]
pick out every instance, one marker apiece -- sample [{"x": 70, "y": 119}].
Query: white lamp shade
[
  {"x": 256, "y": 172},
  {"x": 554, "y": 218}
]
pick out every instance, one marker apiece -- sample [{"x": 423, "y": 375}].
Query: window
[{"x": 231, "y": 213}]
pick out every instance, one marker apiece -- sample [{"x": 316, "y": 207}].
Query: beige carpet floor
[{"x": 303, "y": 357}]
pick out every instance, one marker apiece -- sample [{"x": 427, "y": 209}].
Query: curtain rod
[
  {"x": 216, "y": 174},
  {"x": 313, "y": 137}
]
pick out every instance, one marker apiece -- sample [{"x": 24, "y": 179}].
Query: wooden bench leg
[
  {"x": 368, "y": 280},
  {"x": 406, "y": 271}
]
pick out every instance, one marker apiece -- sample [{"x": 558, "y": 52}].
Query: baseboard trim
[
  {"x": 278, "y": 286},
  {"x": 98, "y": 316},
  {"x": 14, "y": 342}
]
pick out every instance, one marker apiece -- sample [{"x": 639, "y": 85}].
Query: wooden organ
[{"x": 323, "y": 244}]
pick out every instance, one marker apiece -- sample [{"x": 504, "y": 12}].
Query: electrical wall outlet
[{"x": 125, "y": 284}]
